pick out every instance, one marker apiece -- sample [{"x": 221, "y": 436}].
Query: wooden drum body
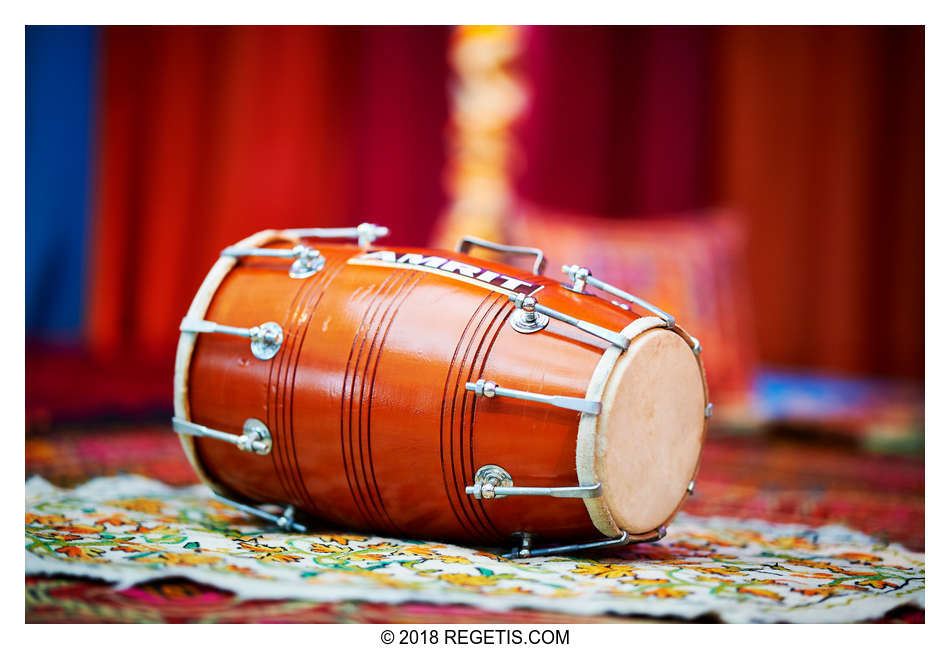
[{"x": 398, "y": 375}]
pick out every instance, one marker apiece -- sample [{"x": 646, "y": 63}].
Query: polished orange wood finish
[{"x": 372, "y": 426}]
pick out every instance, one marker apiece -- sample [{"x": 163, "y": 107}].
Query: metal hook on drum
[{"x": 465, "y": 244}]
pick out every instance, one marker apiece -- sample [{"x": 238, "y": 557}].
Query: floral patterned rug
[{"x": 130, "y": 530}]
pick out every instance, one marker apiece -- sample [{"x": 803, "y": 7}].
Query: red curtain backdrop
[
  {"x": 821, "y": 150},
  {"x": 813, "y": 136},
  {"x": 210, "y": 134},
  {"x": 619, "y": 120}
]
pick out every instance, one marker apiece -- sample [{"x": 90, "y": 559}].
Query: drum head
[{"x": 650, "y": 432}]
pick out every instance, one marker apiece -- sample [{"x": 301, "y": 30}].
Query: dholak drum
[{"x": 433, "y": 394}]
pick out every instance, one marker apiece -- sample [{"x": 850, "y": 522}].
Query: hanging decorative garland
[{"x": 487, "y": 96}]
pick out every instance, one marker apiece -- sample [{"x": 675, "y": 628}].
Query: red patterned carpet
[{"x": 772, "y": 479}]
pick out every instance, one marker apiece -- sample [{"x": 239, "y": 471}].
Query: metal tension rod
[
  {"x": 581, "y": 276},
  {"x": 266, "y": 338},
  {"x": 489, "y": 390},
  {"x": 582, "y": 491},
  {"x": 256, "y": 437},
  {"x": 492, "y": 482},
  {"x": 364, "y": 233},
  {"x": 307, "y": 261},
  {"x": 285, "y": 520},
  {"x": 526, "y": 550},
  {"x": 613, "y": 337}
]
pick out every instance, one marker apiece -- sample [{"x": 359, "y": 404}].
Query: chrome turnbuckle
[
  {"x": 266, "y": 338},
  {"x": 307, "y": 261},
  {"x": 493, "y": 482},
  {"x": 490, "y": 390},
  {"x": 581, "y": 277},
  {"x": 256, "y": 437}
]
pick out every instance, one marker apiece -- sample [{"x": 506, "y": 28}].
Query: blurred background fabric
[
  {"x": 150, "y": 149},
  {"x": 196, "y": 138}
]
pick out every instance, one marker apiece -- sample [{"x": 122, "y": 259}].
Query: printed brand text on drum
[{"x": 447, "y": 266}]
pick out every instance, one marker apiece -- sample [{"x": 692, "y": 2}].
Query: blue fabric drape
[{"x": 60, "y": 81}]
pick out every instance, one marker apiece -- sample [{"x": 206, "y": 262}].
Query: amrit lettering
[{"x": 450, "y": 266}]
